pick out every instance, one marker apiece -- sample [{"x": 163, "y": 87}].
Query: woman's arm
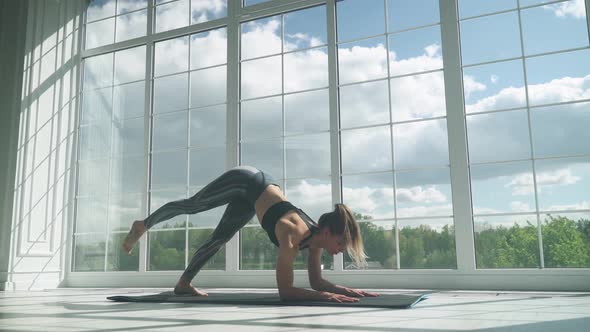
[
  {"x": 314, "y": 269},
  {"x": 287, "y": 254}
]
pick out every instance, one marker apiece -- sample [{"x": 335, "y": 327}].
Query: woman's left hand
[{"x": 356, "y": 292}]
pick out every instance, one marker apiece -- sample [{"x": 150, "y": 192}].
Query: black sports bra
[{"x": 276, "y": 211}]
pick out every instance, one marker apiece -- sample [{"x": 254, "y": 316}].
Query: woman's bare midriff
[
  {"x": 272, "y": 195},
  {"x": 269, "y": 197}
]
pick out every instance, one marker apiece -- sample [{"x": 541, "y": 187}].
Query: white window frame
[{"x": 466, "y": 276}]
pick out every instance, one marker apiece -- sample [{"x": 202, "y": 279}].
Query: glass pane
[
  {"x": 312, "y": 195},
  {"x": 171, "y": 93},
  {"x": 428, "y": 97},
  {"x": 366, "y": 150},
  {"x": 362, "y": 61},
  {"x": 305, "y": 28},
  {"x": 125, "y": 6},
  {"x": 169, "y": 169},
  {"x": 566, "y": 239},
  {"x": 208, "y": 48},
  {"x": 501, "y": 33},
  {"x": 256, "y": 250},
  {"x": 167, "y": 250},
  {"x": 130, "y": 65},
  {"x": 97, "y": 106},
  {"x": 261, "y": 37},
  {"x": 558, "y": 78},
  {"x": 498, "y": 136},
  {"x": 379, "y": 241},
  {"x": 172, "y": 15},
  {"x": 266, "y": 155},
  {"x": 129, "y": 100},
  {"x": 91, "y": 214},
  {"x": 128, "y": 175},
  {"x": 306, "y": 70},
  {"x": 261, "y": 77},
  {"x": 161, "y": 197},
  {"x": 427, "y": 244},
  {"x": 208, "y": 86},
  {"x": 359, "y": 18},
  {"x": 207, "y": 10},
  {"x": 370, "y": 196},
  {"x": 171, "y": 56},
  {"x": 253, "y": 2},
  {"x": 206, "y": 164},
  {"x": 494, "y": 86},
  {"x": 170, "y": 131},
  {"x": 100, "y": 33},
  {"x": 131, "y": 26},
  {"x": 98, "y": 9},
  {"x": 307, "y": 112},
  {"x": 562, "y": 184},
  {"x": 98, "y": 71},
  {"x": 364, "y": 104},
  {"x": 554, "y": 27},
  {"x": 469, "y": 8},
  {"x": 208, "y": 126},
  {"x": 196, "y": 238},
  {"x": 506, "y": 242},
  {"x": 95, "y": 140},
  {"x": 262, "y": 118},
  {"x": 502, "y": 188},
  {"x": 308, "y": 156},
  {"x": 89, "y": 252},
  {"x": 423, "y": 193},
  {"x": 117, "y": 259},
  {"x": 561, "y": 130},
  {"x": 415, "y": 51},
  {"x": 91, "y": 177},
  {"x": 410, "y": 14},
  {"x": 124, "y": 209},
  {"x": 128, "y": 137},
  {"x": 421, "y": 144}
]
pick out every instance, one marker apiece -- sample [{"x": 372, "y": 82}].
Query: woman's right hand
[{"x": 332, "y": 297}]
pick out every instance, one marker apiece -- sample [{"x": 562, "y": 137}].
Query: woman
[{"x": 248, "y": 192}]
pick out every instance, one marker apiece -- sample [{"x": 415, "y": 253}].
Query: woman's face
[{"x": 334, "y": 243}]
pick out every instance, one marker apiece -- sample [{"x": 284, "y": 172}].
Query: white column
[{"x": 457, "y": 136}]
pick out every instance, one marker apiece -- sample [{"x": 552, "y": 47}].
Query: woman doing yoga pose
[{"x": 248, "y": 191}]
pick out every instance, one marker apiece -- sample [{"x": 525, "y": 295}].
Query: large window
[
  {"x": 284, "y": 111},
  {"x": 395, "y": 160},
  {"x": 340, "y": 101},
  {"x": 526, "y": 92}
]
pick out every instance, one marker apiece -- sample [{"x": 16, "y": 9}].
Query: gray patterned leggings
[{"x": 239, "y": 187}]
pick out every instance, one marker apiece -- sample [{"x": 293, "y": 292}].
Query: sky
[{"x": 499, "y": 143}]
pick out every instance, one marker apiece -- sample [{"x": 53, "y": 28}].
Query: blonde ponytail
[{"x": 342, "y": 221}]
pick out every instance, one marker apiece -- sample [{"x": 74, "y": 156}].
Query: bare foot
[
  {"x": 135, "y": 233},
  {"x": 183, "y": 288}
]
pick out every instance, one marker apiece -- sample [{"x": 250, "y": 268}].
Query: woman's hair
[{"x": 341, "y": 222}]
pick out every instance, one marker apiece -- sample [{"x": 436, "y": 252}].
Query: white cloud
[
  {"x": 575, "y": 9},
  {"x": 517, "y": 206},
  {"x": 523, "y": 183},
  {"x": 494, "y": 78},
  {"x": 583, "y": 205},
  {"x": 419, "y": 195}
]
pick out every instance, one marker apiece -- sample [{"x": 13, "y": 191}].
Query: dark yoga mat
[{"x": 394, "y": 301}]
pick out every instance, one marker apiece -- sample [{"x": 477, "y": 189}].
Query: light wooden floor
[{"x": 88, "y": 310}]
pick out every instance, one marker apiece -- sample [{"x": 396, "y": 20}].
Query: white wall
[{"x": 37, "y": 201}]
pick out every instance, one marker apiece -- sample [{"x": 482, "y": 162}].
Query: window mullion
[
  {"x": 147, "y": 132},
  {"x": 232, "y": 247},
  {"x": 457, "y": 134},
  {"x": 334, "y": 121}
]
